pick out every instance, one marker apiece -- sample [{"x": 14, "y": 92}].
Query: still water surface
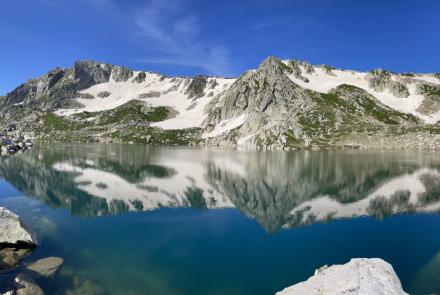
[{"x": 164, "y": 220}]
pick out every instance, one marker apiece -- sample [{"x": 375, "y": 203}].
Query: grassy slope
[{"x": 126, "y": 123}]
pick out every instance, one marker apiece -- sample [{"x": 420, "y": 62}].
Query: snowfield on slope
[
  {"x": 157, "y": 91},
  {"x": 321, "y": 81}
]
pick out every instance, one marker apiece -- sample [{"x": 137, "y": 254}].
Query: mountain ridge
[{"x": 282, "y": 104}]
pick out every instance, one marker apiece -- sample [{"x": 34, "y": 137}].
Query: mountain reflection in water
[{"x": 278, "y": 189}]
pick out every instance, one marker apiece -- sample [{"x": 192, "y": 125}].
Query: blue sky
[{"x": 188, "y": 37}]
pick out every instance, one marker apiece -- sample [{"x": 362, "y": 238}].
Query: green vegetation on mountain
[{"x": 279, "y": 108}]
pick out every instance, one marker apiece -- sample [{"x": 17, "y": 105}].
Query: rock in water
[
  {"x": 12, "y": 229},
  {"x": 27, "y": 286},
  {"x": 359, "y": 276},
  {"x": 46, "y": 267}
]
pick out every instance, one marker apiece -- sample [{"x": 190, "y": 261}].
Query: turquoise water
[{"x": 138, "y": 220}]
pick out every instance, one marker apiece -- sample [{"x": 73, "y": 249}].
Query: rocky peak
[
  {"x": 264, "y": 96},
  {"x": 88, "y": 73},
  {"x": 34, "y": 88},
  {"x": 273, "y": 66}
]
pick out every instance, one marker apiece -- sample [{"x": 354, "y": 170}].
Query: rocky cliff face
[
  {"x": 279, "y": 113},
  {"x": 280, "y": 105},
  {"x": 58, "y": 87}
]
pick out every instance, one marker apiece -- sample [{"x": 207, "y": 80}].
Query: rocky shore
[
  {"x": 359, "y": 276},
  {"x": 13, "y": 141},
  {"x": 16, "y": 242}
]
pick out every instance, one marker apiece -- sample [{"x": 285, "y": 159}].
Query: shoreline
[{"x": 344, "y": 147}]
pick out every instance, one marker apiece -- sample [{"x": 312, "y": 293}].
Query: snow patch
[
  {"x": 171, "y": 93},
  {"x": 226, "y": 125},
  {"x": 321, "y": 81}
]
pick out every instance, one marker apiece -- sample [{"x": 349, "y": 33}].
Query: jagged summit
[{"x": 281, "y": 104}]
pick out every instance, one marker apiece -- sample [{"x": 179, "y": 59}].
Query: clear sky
[{"x": 188, "y": 37}]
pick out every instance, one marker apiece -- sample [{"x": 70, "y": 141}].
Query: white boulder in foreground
[
  {"x": 360, "y": 276},
  {"x": 12, "y": 230}
]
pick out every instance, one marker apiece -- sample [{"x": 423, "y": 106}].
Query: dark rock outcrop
[
  {"x": 89, "y": 73},
  {"x": 197, "y": 87}
]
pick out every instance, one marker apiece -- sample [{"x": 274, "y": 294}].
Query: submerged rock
[
  {"x": 27, "y": 286},
  {"x": 359, "y": 276},
  {"x": 79, "y": 284},
  {"x": 46, "y": 267},
  {"x": 11, "y": 256},
  {"x": 12, "y": 229}
]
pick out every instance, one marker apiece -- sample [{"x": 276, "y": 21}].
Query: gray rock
[
  {"x": 4, "y": 150},
  {"x": 9, "y": 146},
  {"x": 359, "y": 276},
  {"x": 5, "y": 141},
  {"x": 121, "y": 74},
  {"x": 328, "y": 70},
  {"x": 267, "y": 97},
  {"x": 89, "y": 73},
  {"x": 308, "y": 67},
  {"x": 46, "y": 267},
  {"x": 103, "y": 94},
  {"x": 28, "y": 143},
  {"x": 296, "y": 70},
  {"x": 11, "y": 256},
  {"x": 381, "y": 80},
  {"x": 86, "y": 96},
  {"x": 12, "y": 229},
  {"x": 212, "y": 84},
  {"x": 34, "y": 89},
  {"x": 140, "y": 77},
  {"x": 149, "y": 95},
  {"x": 431, "y": 101},
  {"x": 197, "y": 87}
]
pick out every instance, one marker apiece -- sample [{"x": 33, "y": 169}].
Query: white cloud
[
  {"x": 169, "y": 33},
  {"x": 175, "y": 38}
]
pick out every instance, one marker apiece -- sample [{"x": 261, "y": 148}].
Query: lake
[{"x": 132, "y": 219}]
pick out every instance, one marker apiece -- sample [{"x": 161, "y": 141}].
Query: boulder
[
  {"x": 359, "y": 276},
  {"x": 46, "y": 267},
  {"x": 11, "y": 256},
  {"x": 12, "y": 229}
]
